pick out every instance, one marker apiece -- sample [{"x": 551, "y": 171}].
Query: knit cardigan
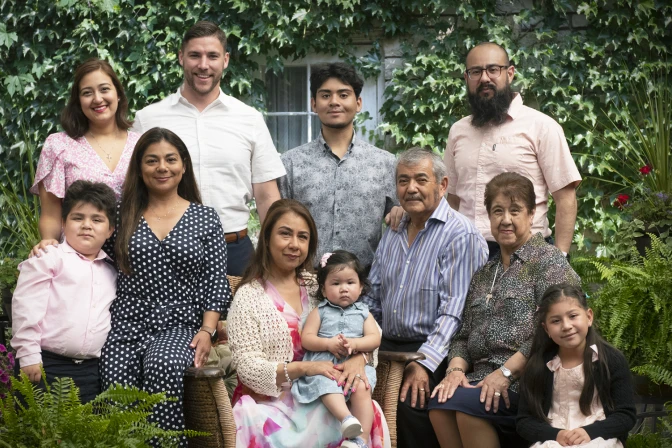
[
  {"x": 618, "y": 420},
  {"x": 259, "y": 337}
]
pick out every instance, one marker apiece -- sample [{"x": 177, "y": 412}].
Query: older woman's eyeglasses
[{"x": 493, "y": 71}]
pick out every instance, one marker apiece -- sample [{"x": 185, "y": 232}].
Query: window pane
[
  {"x": 288, "y": 132},
  {"x": 287, "y": 92},
  {"x": 315, "y": 126}
]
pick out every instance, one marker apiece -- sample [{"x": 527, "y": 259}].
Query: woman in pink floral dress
[
  {"x": 264, "y": 325},
  {"x": 96, "y": 145}
]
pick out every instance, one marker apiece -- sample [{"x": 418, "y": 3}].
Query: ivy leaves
[{"x": 7, "y": 38}]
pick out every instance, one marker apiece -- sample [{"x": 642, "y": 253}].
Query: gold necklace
[
  {"x": 108, "y": 156},
  {"x": 167, "y": 213}
]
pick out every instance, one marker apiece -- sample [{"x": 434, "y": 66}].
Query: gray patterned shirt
[{"x": 347, "y": 197}]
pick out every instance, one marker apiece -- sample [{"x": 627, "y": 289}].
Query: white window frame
[{"x": 378, "y": 83}]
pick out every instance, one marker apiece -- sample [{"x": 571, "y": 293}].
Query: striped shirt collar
[{"x": 441, "y": 213}]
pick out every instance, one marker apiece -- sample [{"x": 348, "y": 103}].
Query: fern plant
[
  {"x": 634, "y": 309},
  {"x": 31, "y": 417}
]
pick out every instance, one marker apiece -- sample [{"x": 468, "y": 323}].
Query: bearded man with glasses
[{"x": 503, "y": 135}]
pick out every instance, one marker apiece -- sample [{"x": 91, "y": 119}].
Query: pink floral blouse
[{"x": 64, "y": 160}]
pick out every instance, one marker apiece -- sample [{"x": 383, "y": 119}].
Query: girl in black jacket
[{"x": 576, "y": 388}]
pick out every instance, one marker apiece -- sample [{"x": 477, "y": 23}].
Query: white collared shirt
[{"x": 230, "y": 148}]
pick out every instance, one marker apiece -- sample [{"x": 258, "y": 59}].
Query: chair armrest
[
  {"x": 404, "y": 357},
  {"x": 205, "y": 372}
]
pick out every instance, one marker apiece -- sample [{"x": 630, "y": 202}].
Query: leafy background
[{"x": 573, "y": 59}]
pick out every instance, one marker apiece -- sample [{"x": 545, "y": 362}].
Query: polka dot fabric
[{"x": 159, "y": 308}]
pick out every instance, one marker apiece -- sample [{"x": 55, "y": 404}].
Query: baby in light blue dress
[{"x": 338, "y": 328}]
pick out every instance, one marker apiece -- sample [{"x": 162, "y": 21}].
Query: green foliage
[
  {"x": 573, "y": 60},
  {"x": 660, "y": 439},
  {"x": 649, "y": 440},
  {"x": 117, "y": 417},
  {"x": 640, "y": 132},
  {"x": 21, "y": 210},
  {"x": 634, "y": 309},
  {"x": 575, "y": 72},
  {"x": 9, "y": 274}
]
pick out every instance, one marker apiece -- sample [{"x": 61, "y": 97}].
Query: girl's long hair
[
  {"x": 135, "y": 196},
  {"x": 533, "y": 387},
  {"x": 259, "y": 266}
]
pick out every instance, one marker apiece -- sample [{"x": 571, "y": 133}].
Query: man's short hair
[
  {"x": 416, "y": 155},
  {"x": 97, "y": 194},
  {"x": 340, "y": 70},
  {"x": 204, "y": 28},
  {"x": 506, "y": 53}
]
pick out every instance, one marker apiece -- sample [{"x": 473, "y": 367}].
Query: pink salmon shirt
[
  {"x": 528, "y": 142},
  {"x": 62, "y": 304}
]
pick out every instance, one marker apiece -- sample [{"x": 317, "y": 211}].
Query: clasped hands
[
  {"x": 572, "y": 437},
  {"x": 340, "y": 346}
]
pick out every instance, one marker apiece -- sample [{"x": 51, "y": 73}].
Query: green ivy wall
[{"x": 573, "y": 60}]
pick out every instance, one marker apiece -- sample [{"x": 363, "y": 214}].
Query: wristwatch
[
  {"x": 507, "y": 373},
  {"x": 211, "y": 331}
]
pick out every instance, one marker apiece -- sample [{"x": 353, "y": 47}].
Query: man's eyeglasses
[{"x": 493, "y": 71}]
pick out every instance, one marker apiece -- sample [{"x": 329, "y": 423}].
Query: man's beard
[
  {"x": 487, "y": 110},
  {"x": 213, "y": 85}
]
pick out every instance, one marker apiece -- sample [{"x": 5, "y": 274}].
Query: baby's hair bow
[{"x": 325, "y": 257}]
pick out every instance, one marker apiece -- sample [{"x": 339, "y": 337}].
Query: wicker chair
[{"x": 207, "y": 407}]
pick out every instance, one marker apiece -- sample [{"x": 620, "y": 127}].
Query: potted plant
[{"x": 115, "y": 418}]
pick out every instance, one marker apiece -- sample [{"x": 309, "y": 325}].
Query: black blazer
[{"x": 619, "y": 420}]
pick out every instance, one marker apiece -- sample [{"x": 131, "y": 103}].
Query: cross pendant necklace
[{"x": 108, "y": 156}]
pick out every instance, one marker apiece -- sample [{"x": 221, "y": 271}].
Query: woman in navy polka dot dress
[{"x": 172, "y": 287}]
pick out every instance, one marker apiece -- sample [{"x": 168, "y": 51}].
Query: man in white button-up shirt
[{"x": 232, "y": 153}]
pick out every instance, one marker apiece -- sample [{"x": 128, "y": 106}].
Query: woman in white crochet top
[{"x": 264, "y": 326}]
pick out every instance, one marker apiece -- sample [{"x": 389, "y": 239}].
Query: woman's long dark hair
[
  {"x": 73, "y": 120},
  {"x": 259, "y": 267},
  {"x": 533, "y": 387},
  {"x": 135, "y": 196}
]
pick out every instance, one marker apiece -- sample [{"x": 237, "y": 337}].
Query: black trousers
[
  {"x": 238, "y": 255},
  {"x": 414, "y": 429},
  {"x": 84, "y": 373}
]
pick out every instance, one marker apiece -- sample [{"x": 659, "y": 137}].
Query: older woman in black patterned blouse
[{"x": 476, "y": 403}]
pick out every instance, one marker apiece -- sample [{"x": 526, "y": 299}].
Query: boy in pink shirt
[{"x": 60, "y": 307}]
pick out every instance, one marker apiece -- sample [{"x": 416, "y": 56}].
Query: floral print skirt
[{"x": 268, "y": 422}]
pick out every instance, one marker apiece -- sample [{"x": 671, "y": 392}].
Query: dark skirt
[{"x": 468, "y": 401}]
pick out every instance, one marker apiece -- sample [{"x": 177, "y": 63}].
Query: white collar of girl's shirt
[{"x": 555, "y": 363}]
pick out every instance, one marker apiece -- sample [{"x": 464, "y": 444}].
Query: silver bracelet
[{"x": 289, "y": 380}]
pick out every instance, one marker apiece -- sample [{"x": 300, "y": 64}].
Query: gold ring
[
  {"x": 497, "y": 394},
  {"x": 441, "y": 386},
  {"x": 422, "y": 390},
  {"x": 358, "y": 376}
]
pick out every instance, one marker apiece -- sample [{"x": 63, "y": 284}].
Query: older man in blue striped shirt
[{"x": 420, "y": 277}]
